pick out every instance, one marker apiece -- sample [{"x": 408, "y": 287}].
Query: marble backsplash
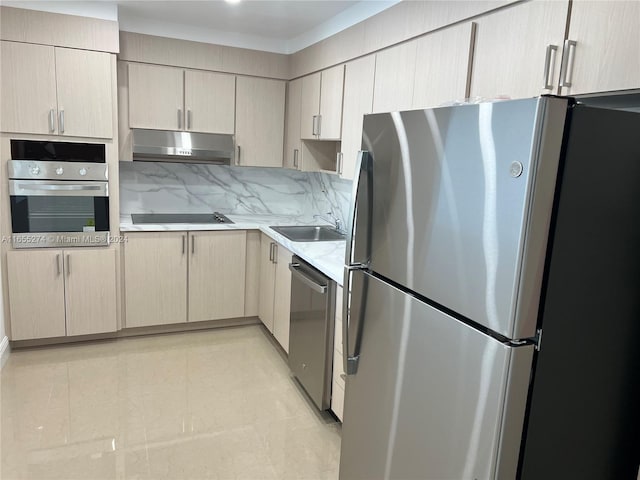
[{"x": 147, "y": 187}]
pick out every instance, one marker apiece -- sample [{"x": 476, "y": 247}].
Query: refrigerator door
[
  {"x": 454, "y": 213},
  {"x": 432, "y": 397}
]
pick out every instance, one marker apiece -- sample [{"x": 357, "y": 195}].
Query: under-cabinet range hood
[{"x": 186, "y": 147}]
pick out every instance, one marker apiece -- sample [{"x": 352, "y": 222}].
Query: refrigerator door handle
[
  {"x": 360, "y": 204},
  {"x": 352, "y": 324}
]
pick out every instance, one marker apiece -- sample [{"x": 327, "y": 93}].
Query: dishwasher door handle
[{"x": 309, "y": 282}]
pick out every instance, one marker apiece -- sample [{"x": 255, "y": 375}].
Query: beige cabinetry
[
  {"x": 267, "y": 281},
  {"x": 518, "y": 50},
  {"x": 602, "y": 52},
  {"x": 321, "y": 107},
  {"x": 168, "y": 274},
  {"x": 260, "y": 107},
  {"x": 170, "y": 98},
  {"x": 52, "y": 90},
  {"x": 292, "y": 136},
  {"x": 217, "y": 267},
  {"x": 282, "y": 296},
  {"x": 338, "y": 379},
  {"x": 275, "y": 289},
  {"x": 358, "y": 101},
  {"x": 155, "y": 278},
  {"x": 395, "y": 72},
  {"x": 442, "y": 66},
  {"x": 155, "y": 97},
  {"x": 53, "y": 293}
]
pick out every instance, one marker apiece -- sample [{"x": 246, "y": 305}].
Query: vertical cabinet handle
[
  {"x": 314, "y": 127},
  {"x": 275, "y": 253},
  {"x": 548, "y": 66},
  {"x": 61, "y": 123},
  {"x": 52, "y": 120},
  {"x": 295, "y": 158},
  {"x": 184, "y": 241},
  {"x": 193, "y": 244},
  {"x": 339, "y": 158},
  {"x": 238, "y": 156},
  {"x": 566, "y": 68},
  {"x": 68, "y": 265},
  {"x": 58, "y": 269},
  {"x": 271, "y": 245},
  {"x": 319, "y": 125},
  {"x": 179, "y": 119},
  {"x": 189, "y": 119}
]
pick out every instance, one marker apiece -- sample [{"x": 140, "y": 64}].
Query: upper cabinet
[
  {"x": 358, "y": 101},
  {"x": 52, "y": 90},
  {"x": 442, "y": 66},
  {"x": 170, "y": 98},
  {"x": 321, "y": 104},
  {"x": 292, "y": 145},
  {"x": 602, "y": 52},
  {"x": 518, "y": 50},
  {"x": 395, "y": 72},
  {"x": 259, "y": 122},
  {"x": 426, "y": 72}
]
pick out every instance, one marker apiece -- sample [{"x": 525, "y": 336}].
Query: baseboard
[{"x": 4, "y": 351}]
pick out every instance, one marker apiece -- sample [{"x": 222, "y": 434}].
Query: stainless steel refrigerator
[{"x": 492, "y": 294}]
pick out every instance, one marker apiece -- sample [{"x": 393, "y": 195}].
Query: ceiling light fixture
[{"x": 232, "y": 1}]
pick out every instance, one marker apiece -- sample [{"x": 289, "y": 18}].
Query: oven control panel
[{"x": 50, "y": 170}]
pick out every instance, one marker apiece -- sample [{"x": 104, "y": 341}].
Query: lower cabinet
[
  {"x": 175, "y": 277},
  {"x": 275, "y": 289},
  {"x": 338, "y": 380},
  {"x": 217, "y": 267},
  {"x": 53, "y": 293}
]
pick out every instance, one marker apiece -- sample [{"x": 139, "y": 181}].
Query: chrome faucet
[{"x": 335, "y": 220}]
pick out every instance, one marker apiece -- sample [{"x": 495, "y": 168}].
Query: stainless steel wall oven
[{"x": 59, "y": 194}]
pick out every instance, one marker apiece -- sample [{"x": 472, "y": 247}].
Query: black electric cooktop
[{"x": 214, "y": 217}]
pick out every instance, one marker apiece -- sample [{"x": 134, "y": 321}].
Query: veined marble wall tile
[{"x": 147, "y": 187}]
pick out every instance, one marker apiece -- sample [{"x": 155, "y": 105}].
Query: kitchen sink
[{"x": 304, "y": 233}]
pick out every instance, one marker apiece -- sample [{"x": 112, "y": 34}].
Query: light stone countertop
[{"x": 328, "y": 257}]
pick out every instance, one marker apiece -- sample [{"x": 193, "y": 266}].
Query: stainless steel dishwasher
[{"x": 311, "y": 330}]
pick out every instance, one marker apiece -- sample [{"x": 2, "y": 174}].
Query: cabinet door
[
  {"x": 310, "y": 106},
  {"x": 607, "y": 51},
  {"x": 252, "y": 276},
  {"x": 511, "y": 46},
  {"x": 36, "y": 294},
  {"x": 282, "y": 297},
  {"x": 331, "y": 90},
  {"x": 267, "y": 281},
  {"x": 442, "y": 66},
  {"x": 210, "y": 102},
  {"x": 395, "y": 71},
  {"x": 155, "y": 278},
  {"x": 155, "y": 97},
  {"x": 358, "y": 101},
  {"x": 292, "y": 143},
  {"x": 259, "y": 122},
  {"x": 28, "y": 84},
  {"x": 85, "y": 100},
  {"x": 217, "y": 266},
  {"x": 90, "y": 291}
]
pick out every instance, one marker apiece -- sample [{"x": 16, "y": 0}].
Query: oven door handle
[{"x": 17, "y": 187}]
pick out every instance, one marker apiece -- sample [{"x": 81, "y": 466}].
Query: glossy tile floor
[{"x": 215, "y": 404}]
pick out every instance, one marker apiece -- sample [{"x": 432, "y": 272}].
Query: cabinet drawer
[{"x": 337, "y": 400}]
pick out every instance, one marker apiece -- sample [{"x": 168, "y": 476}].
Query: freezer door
[
  {"x": 454, "y": 213},
  {"x": 432, "y": 398}
]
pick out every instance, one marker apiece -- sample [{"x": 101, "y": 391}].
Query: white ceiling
[{"x": 283, "y": 26}]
